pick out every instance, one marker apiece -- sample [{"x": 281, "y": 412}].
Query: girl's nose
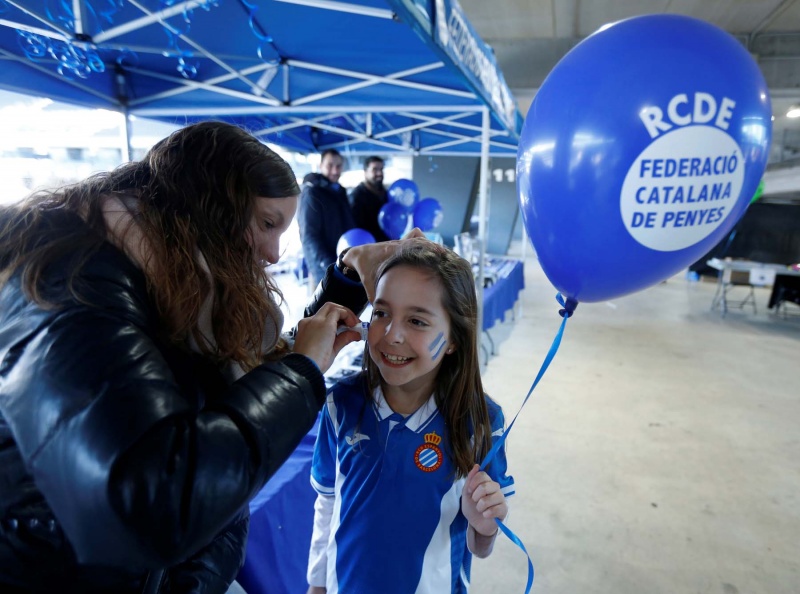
[{"x": 394, "y": 333}]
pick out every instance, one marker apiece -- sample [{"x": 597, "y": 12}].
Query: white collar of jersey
[{"x": 417, "y": 421}]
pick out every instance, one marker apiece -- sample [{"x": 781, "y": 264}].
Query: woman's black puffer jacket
[{"x": 121, "y": 454}]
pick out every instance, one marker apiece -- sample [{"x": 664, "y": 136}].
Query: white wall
[{"x": 781, "y": 181}]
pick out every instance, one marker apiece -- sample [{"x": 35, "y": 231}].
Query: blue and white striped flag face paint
[
  {"x": 437, "y": 346},
  {"x": 409, "y": 332}
]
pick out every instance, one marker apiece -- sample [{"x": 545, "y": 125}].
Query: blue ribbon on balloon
[{"x": 568, "y": 309}]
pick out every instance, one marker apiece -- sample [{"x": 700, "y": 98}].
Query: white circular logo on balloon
[
  {"x": 682, "y": 187},
  {"x": 404, "y": 196}
]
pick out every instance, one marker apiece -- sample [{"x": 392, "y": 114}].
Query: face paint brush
[{"x": 362, "y": 329}]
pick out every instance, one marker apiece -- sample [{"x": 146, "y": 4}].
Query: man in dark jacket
[
  {"x": 368, "y": 198},
  {"x": 323, "y": 215}
]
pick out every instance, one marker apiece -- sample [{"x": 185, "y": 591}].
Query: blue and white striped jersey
[{"x": 396, "y": 524}]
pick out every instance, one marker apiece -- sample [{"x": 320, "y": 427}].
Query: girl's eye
[
  {"x": 268, "y": 225},
  {"x": 419, "y": 323},
  {"x": 378, "y": 313}
]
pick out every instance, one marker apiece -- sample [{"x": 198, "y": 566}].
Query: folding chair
[{"x": 737, "y": 280}]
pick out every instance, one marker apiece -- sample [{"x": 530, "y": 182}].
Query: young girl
[{"x": 401, "y": 504}]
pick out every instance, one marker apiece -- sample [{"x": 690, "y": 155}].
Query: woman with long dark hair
[{"x": 146, "y": 394}]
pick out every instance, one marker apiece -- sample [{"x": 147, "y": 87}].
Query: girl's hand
[
  {"x": 367, "y": 258},
  {"x": 316, "y": 336},
  {"x": 482, "y": 501}
]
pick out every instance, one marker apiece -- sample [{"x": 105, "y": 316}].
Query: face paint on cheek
[
  {"x": 441, "y": 348},
  {"x": 435, "y": 342},
  {"x": 438, "y": 343}
]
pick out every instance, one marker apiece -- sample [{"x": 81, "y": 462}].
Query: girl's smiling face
[{"x": 409, "y": 336}]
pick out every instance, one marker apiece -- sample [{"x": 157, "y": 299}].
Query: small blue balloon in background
[
  {"x": 393, "y": 219},
  {"x": 352, "y": 238},
  {"x": 641, "y": 150},
  {"x": 404, "y": 192},
  {"x": 428, "y": 214}
]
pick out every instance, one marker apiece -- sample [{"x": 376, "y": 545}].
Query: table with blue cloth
[
  {"x": 282, "y": 514},
  {"x": 281, "y": 520},
  {"x": 506, "y": 278}
]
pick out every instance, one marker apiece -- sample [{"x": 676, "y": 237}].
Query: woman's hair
[
  {"x": 194, "y": 190},
  {"x": 459, "y": 390}
]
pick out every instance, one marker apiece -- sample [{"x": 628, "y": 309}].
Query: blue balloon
[
  {"x": 393, "y": 219},
  {"x": 641, "y": 150},
  {"x": 405, "y": 192},
  {"x": 428, "y": 214},
  {"x": 352, "y": 238}
]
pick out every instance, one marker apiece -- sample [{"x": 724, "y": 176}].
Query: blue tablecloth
[
  {"x": 281, "y": 520},
  {"x": 509, "y": 280},
  {"x": 282, "y": 514}
]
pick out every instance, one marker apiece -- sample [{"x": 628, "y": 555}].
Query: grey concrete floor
[{"x": 660, "y": 453}]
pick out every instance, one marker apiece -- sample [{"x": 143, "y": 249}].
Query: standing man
[
  {"x": 368, "y": 198},
  {"x": 323, "y": 215}
]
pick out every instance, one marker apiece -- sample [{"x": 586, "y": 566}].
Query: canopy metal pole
[
  {"x": 77, "y": 11},
  {"x": 125, "y": 137},
  {"x": 482, "y": 192},
  {"x": 125, "y": 112}
]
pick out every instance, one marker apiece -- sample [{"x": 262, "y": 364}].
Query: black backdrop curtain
[{"x": 766, "y": 233}]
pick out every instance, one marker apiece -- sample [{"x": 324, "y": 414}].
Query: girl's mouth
[{"x": 395, "y": 359}]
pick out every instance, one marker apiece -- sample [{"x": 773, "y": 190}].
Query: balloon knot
[{"x": 569, "y": 306}]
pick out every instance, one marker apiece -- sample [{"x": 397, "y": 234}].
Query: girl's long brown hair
[
  {"x": 459, "y": 390},
  {"x": 193, "y": 190}
]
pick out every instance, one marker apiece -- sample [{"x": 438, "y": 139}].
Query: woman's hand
[
  {"x": 481, "y": 502},
  {"x": 316, "y": 335},
  {"x": 366, "y": 259}
]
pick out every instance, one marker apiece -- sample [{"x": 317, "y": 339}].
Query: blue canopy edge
[{"x": 364, "y": 76}]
